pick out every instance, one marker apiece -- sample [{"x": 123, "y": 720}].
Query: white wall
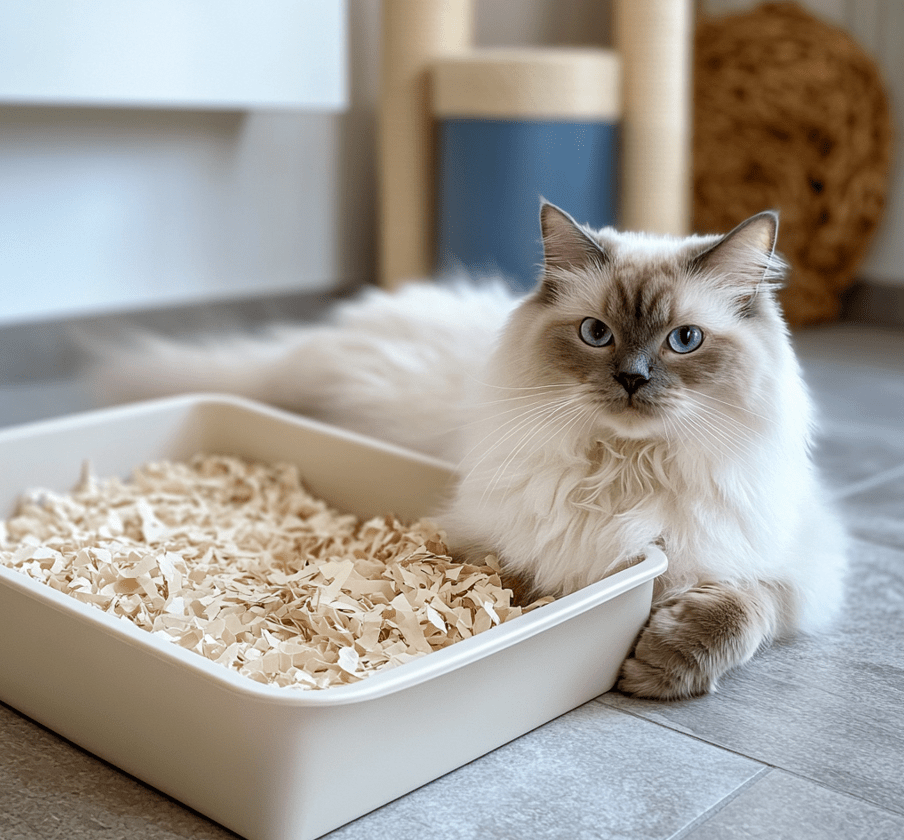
[
  {"x": 106, "y": 209},
  {"x": 111, "y": 209},
  {"x": 173, "y": 53},
  {"x": 114, "y": 208}
]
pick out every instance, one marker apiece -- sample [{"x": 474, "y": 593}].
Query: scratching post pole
[
  {"x": 653, "y": 38},
  {"x": 415, "y": 33}
]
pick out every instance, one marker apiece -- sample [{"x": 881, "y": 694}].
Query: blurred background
[{"x": 198, "y": 165}]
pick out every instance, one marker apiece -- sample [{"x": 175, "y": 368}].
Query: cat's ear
[
  {"x": 566, "y": 246},
  {"x": 745, "y": 258}
]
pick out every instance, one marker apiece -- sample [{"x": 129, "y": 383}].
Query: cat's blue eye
[
  {"x": 685, "y": 339},
  {"x": 595, "y": 333}
]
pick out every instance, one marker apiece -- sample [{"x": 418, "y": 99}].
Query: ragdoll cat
[{"x": 644, "y": 394}]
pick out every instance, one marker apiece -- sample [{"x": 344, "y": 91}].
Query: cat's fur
[{"x": 574, "y": 459}]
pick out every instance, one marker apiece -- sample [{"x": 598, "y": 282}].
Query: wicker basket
[{"x": 791, "y": 114}]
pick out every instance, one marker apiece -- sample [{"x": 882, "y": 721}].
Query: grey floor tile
[
  {"x": 856, "y": 377},
  {"x": 851, "y": 455},
  {"x": 855, "y": 372},
  {"x": 860, "y": 346},
  {"x": 593, "y": 773},
  {"x": 876, "y": 513},
  {"x": 24, "y": 402},
  {"x": 830, "y": 707},
  {"x": 52, "y": 790},
  {"x": 856, "y": 394},
  {"x": 779, "y": 806}
]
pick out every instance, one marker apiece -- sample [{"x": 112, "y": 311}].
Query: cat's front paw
[
  {"x": 660, "y": 670},
  {"x": 689, "y": 643}
]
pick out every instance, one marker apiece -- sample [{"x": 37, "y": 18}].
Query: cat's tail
[
  {"x": 392, "y": 365},
  {"x": 143, "y": 365}
]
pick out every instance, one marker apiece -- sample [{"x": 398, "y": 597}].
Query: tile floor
[{"x": 807, "y": 742}]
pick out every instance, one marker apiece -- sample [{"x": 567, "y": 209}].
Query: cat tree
[{"x": 653, "y": 42}]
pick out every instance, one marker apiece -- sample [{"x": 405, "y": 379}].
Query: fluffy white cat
[{"x": 645, "y": 393}]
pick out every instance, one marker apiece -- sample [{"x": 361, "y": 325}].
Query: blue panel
[{"x": 491, "y": 176}]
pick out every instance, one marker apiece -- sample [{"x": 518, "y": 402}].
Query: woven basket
[{"x": 791, "y": 114}]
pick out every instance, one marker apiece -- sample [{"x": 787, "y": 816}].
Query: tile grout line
[
  {"x": 876, "y": 542},
  {"x": 724, "y": 802},
  {"x": 676, "y": 730},
  {"x": 868, "y": 483},
  {"x": 839, "y": 792},
  {"x": 765, "y": 768}
]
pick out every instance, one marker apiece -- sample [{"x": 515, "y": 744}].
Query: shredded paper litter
[{"x": 237, "y": 561}]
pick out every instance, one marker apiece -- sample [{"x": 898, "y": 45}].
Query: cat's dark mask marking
[
  {"x": 641, "y": 313},
  {"x": 640, "y": 300},
  {"x": 743, "y": 261},
  {"x": 645, "y": 305}
]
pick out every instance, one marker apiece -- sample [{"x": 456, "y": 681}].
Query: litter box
[{"x": 275, "y": 763}]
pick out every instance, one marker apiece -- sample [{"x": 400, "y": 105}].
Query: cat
[{"x": 645, "y": 393}]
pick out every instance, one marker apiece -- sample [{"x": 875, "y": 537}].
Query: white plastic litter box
[{"x": 276, "y": 763}]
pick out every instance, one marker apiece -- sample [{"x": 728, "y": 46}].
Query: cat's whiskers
[
  {"x": 503, "y": 400},
  {"x": 524, "y": 415},
  {"x": 527, "y": 417},
  {"x": 667, "y": 427},
  {"x": 538, "y": 423},
  {"x": 735, "y": 438},
  {"x": 520, "y": 387},
  {"x": 724, "y": 444},
  {"x": 708, "y": 432},
  {"x": 555, "y": 423},
  {"x": 588, "y": 422},
  {"x": 552, "y": 429},
  {"x": 692, "y": 430},
  {"x": 536, "y": 398},
  {"x": 727, "y": 421},
  {"x": 729, "y": 404}
]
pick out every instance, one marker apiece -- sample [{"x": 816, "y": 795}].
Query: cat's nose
[
  {"x": 633, "y": 372},
  {"x": 631, "y": 381}
]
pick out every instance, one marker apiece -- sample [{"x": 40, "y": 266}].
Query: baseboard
[
  {"x": 47, "y": 350},
  {"x": 871, "y": 303}
]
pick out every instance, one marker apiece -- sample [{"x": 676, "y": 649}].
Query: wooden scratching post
[
  {"x": 653, "y": 38},
  {"x": 415, "y": 34}
]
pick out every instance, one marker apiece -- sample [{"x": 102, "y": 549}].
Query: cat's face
[{"x": 655, "y": 336}]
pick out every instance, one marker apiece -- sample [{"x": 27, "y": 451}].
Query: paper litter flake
[{"x": 237, "y": 561}]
